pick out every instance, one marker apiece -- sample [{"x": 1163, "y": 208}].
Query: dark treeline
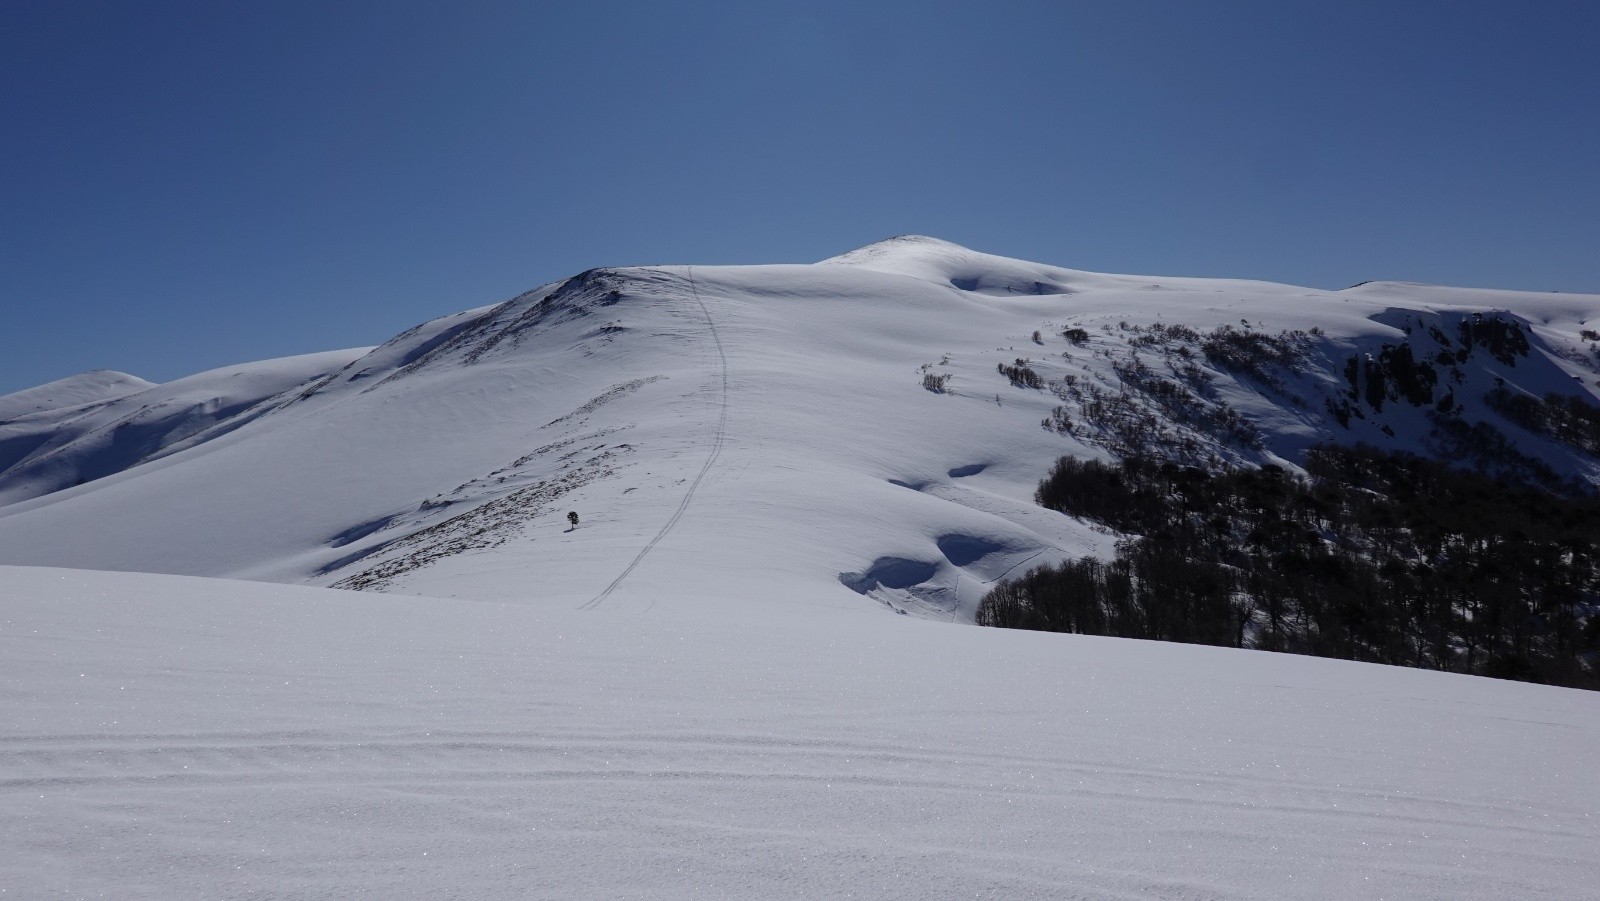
[
  {"x": 1565, "y": 417},
  {"x": 1388, "y": 558}
]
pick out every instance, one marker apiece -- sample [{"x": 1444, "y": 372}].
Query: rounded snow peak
[
  {"x": 914, "y": 246},
  {"x": 94, "y": 386},
  {"x": 937, "y": 260}
]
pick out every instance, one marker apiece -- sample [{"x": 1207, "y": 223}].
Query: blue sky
[{"x": 187, "y": 185}]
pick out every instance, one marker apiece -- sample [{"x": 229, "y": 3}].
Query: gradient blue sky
[{"x": 187, "y": 185}]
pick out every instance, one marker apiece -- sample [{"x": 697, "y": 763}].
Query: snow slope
[
  {"x": 166, "y": 738},
  {"x": 74, "y": 391},
  {"x": 696, "y": 692},
  {"x": 128, "y": 421},
  {"x": 724, "y": 431}
]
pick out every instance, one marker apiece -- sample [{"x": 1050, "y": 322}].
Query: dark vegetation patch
[
  {"x": 1381, "y": 557},
  {"x": 1504, "y": 339},
  {"x": 1258, "y": 355},
  {"x": 1486, "y": 450},
  {"x": 514, "y": 501},
  {"x": 1163, "y": 402},
  {"x": 1567, "y": 418},
  {"x": 1020, "y": 374},
  {"x": 1406, "y": 372}
]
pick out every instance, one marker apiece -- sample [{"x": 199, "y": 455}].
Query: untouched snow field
[{"x": 165, "y": 737}]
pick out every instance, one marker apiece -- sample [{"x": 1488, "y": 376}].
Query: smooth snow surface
[
  {"x": 130, "y": 421},
  {"x": 170, "y": 738},
  {"x": 74, "y": 391}
]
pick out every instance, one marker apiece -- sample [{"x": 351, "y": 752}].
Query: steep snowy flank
[{"x": 869, "y": 429}]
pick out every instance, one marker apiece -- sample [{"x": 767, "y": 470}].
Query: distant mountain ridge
[
  {"x": 94, "y": 386},
  {"x": 126, "y": 421}
]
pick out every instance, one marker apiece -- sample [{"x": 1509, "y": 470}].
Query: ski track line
[{"x": 717, "y": 441}]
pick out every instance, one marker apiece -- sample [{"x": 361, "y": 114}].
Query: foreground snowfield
[{"x": 171, "y": 737}]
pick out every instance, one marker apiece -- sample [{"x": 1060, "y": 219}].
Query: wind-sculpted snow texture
[
  {"x": 722, "y": 430},
  {"x": 168, "y": 738}
]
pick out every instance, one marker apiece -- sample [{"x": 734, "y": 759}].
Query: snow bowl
[{"x": 889, "y": 572}]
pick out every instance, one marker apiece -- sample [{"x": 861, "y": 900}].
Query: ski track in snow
[{"x": 718, "y": 439}]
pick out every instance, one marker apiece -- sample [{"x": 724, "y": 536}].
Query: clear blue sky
[{"x": 187, "y": 185}]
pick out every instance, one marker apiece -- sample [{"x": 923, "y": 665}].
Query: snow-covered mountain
[
  {"x": 95, "y": 386},
  {"x": 696, "y": 692},
  {"x": 101, "y": 423},
  {"x": 874, "y": 424}
]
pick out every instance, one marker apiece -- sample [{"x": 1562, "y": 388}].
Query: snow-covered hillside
[
  {"x": 172, "y": 738},
  {"x": 102, "y": 423},
  {"x": 96, "y": 386},
  {"x": 873, "y": 424},
  {"x": 701, "y": 689}
]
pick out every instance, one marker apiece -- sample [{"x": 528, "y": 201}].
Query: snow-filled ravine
[{"x": 167, "y": 737}]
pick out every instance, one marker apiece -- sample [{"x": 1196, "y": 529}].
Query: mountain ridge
[{"x": 874, "y": 421}]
